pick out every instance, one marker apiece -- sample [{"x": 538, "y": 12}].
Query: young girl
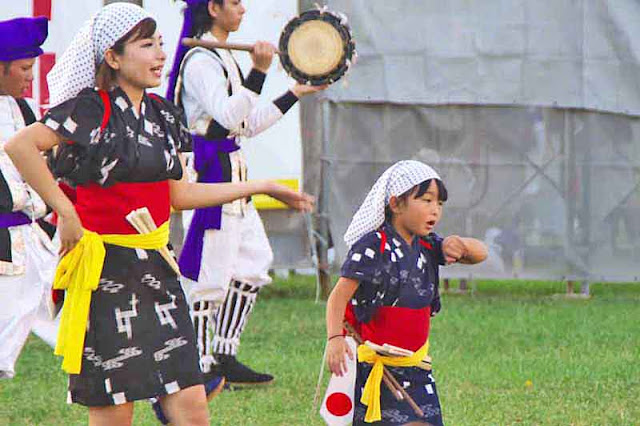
[
  {"x": 120, "y": 148},
  {"x": 390, "y": 278}
]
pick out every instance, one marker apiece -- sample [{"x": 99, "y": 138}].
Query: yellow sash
[
  {"x": 79, "y": 274},
  {"x": 371, "y": 394}
]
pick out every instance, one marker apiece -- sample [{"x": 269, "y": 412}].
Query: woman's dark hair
[
  {"x": 418, "y": 191},
  {"x": 106, "y": 76},
  {"x": 202, "y": 20}
]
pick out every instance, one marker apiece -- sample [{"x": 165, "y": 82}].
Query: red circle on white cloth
[{"x": 339, "y": 404}]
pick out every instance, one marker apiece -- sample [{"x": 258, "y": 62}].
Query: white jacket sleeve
[
  {"x": 261, "y": 118},
  {"x": 264, "y": 116},
  {"x": 204, "y": 81}
]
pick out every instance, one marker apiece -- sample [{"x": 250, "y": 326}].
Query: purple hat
[
  {"x": 187, "y": 31},
  {"x": 21, "y": 38}
]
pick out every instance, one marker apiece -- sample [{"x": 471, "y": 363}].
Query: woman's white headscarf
[
  {"x": 76, "y": 69},
  {"x": 395, "y": 181}
]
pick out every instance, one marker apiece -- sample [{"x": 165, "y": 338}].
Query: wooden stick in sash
[
  {"x": 406, "y": 396},
  {"x": 397, "y": 394},
  {"x": 390, "y": 381},
  {"x": 390, "y": 350},
  {"x": 142, "y": 221},
  {"x": 397, "y": 350}
]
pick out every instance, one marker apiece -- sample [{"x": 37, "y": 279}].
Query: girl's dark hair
[
  {"x": 106, "y": 76},
  {"x": 418, "y": 191},
  {"x": 202, "y": 20}
]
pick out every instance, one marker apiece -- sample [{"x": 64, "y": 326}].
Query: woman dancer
[{"x": 120, "y": 148}]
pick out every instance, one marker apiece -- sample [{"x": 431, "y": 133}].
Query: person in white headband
[
  {"x": 125, "y": 332},
  {"x": 226, "y": 254},
  {"x": 388, "y": 290}
]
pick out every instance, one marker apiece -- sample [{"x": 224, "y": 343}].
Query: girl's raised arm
[{"x": 464, "y": 250}]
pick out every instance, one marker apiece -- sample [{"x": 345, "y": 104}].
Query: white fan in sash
[{"x": 337, "y": 405}]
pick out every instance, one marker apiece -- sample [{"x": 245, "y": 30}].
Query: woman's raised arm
[
  {"x": 186, "y": 195},
  {"x": 24, "y": 150}
]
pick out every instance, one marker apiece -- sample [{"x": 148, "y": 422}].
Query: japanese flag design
[{"x": 337, "y": 405}]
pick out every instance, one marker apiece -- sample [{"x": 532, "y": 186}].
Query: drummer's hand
[
  {"x": 70, "y": 230},
  {"x": 262, "y": 55},
  {"x": 301, "y": 90},
  {"x": 300, "y": 201}
]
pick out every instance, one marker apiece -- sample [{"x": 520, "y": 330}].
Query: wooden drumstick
[
  {"x": 210, "y": 44},
  {"x": 406, "y": 396}
]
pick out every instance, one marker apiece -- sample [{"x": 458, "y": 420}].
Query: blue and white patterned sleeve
[
  {"x": 436, "y": 241},
  {"x": 363, "y": 259},
  {"x": 437, "y": 256}
]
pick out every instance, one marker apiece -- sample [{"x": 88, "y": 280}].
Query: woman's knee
[
  {"x": 111, "y": 415},
  {"x": 187, "y": 407}
]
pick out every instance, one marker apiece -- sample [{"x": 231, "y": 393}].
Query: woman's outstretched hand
[{"x": 300, "y": 201}]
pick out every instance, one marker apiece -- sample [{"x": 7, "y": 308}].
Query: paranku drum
[{"x": 315, "y": 48}]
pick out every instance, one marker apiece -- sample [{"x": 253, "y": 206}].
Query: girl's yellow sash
[{"x": 371, "y": 394}]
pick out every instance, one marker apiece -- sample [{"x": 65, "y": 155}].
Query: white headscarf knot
[{"x": 76, "y": 69}]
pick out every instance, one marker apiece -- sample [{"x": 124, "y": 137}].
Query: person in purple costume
[
  {"x": 27, "y": 254},
  {"x": 226, "y": 255}
]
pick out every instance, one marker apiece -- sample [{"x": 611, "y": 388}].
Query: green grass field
[{"x": 509, "y": 353}]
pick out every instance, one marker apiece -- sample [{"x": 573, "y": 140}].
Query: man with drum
[{"x": 226, "y": 255}]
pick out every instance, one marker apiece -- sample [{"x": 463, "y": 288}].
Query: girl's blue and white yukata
[{"x": 396, "y": 296}]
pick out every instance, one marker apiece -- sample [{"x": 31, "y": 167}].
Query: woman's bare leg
[
  {"x": 187, "y": 407},
  {"x": 121, "y": 415}
]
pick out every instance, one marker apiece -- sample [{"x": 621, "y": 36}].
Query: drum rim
[{"x": 336, "y": 22}]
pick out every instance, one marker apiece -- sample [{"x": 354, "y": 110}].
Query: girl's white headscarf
[
  {"x": 77, "y": 67},
  {"x": 395, "y": 181}
]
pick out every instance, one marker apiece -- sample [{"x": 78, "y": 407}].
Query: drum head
[{"x": 316, "y": 47}]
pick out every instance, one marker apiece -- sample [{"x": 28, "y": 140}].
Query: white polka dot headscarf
[
  {"x": 76, "y": 69},
  {"x": 395, "y": 181}
]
